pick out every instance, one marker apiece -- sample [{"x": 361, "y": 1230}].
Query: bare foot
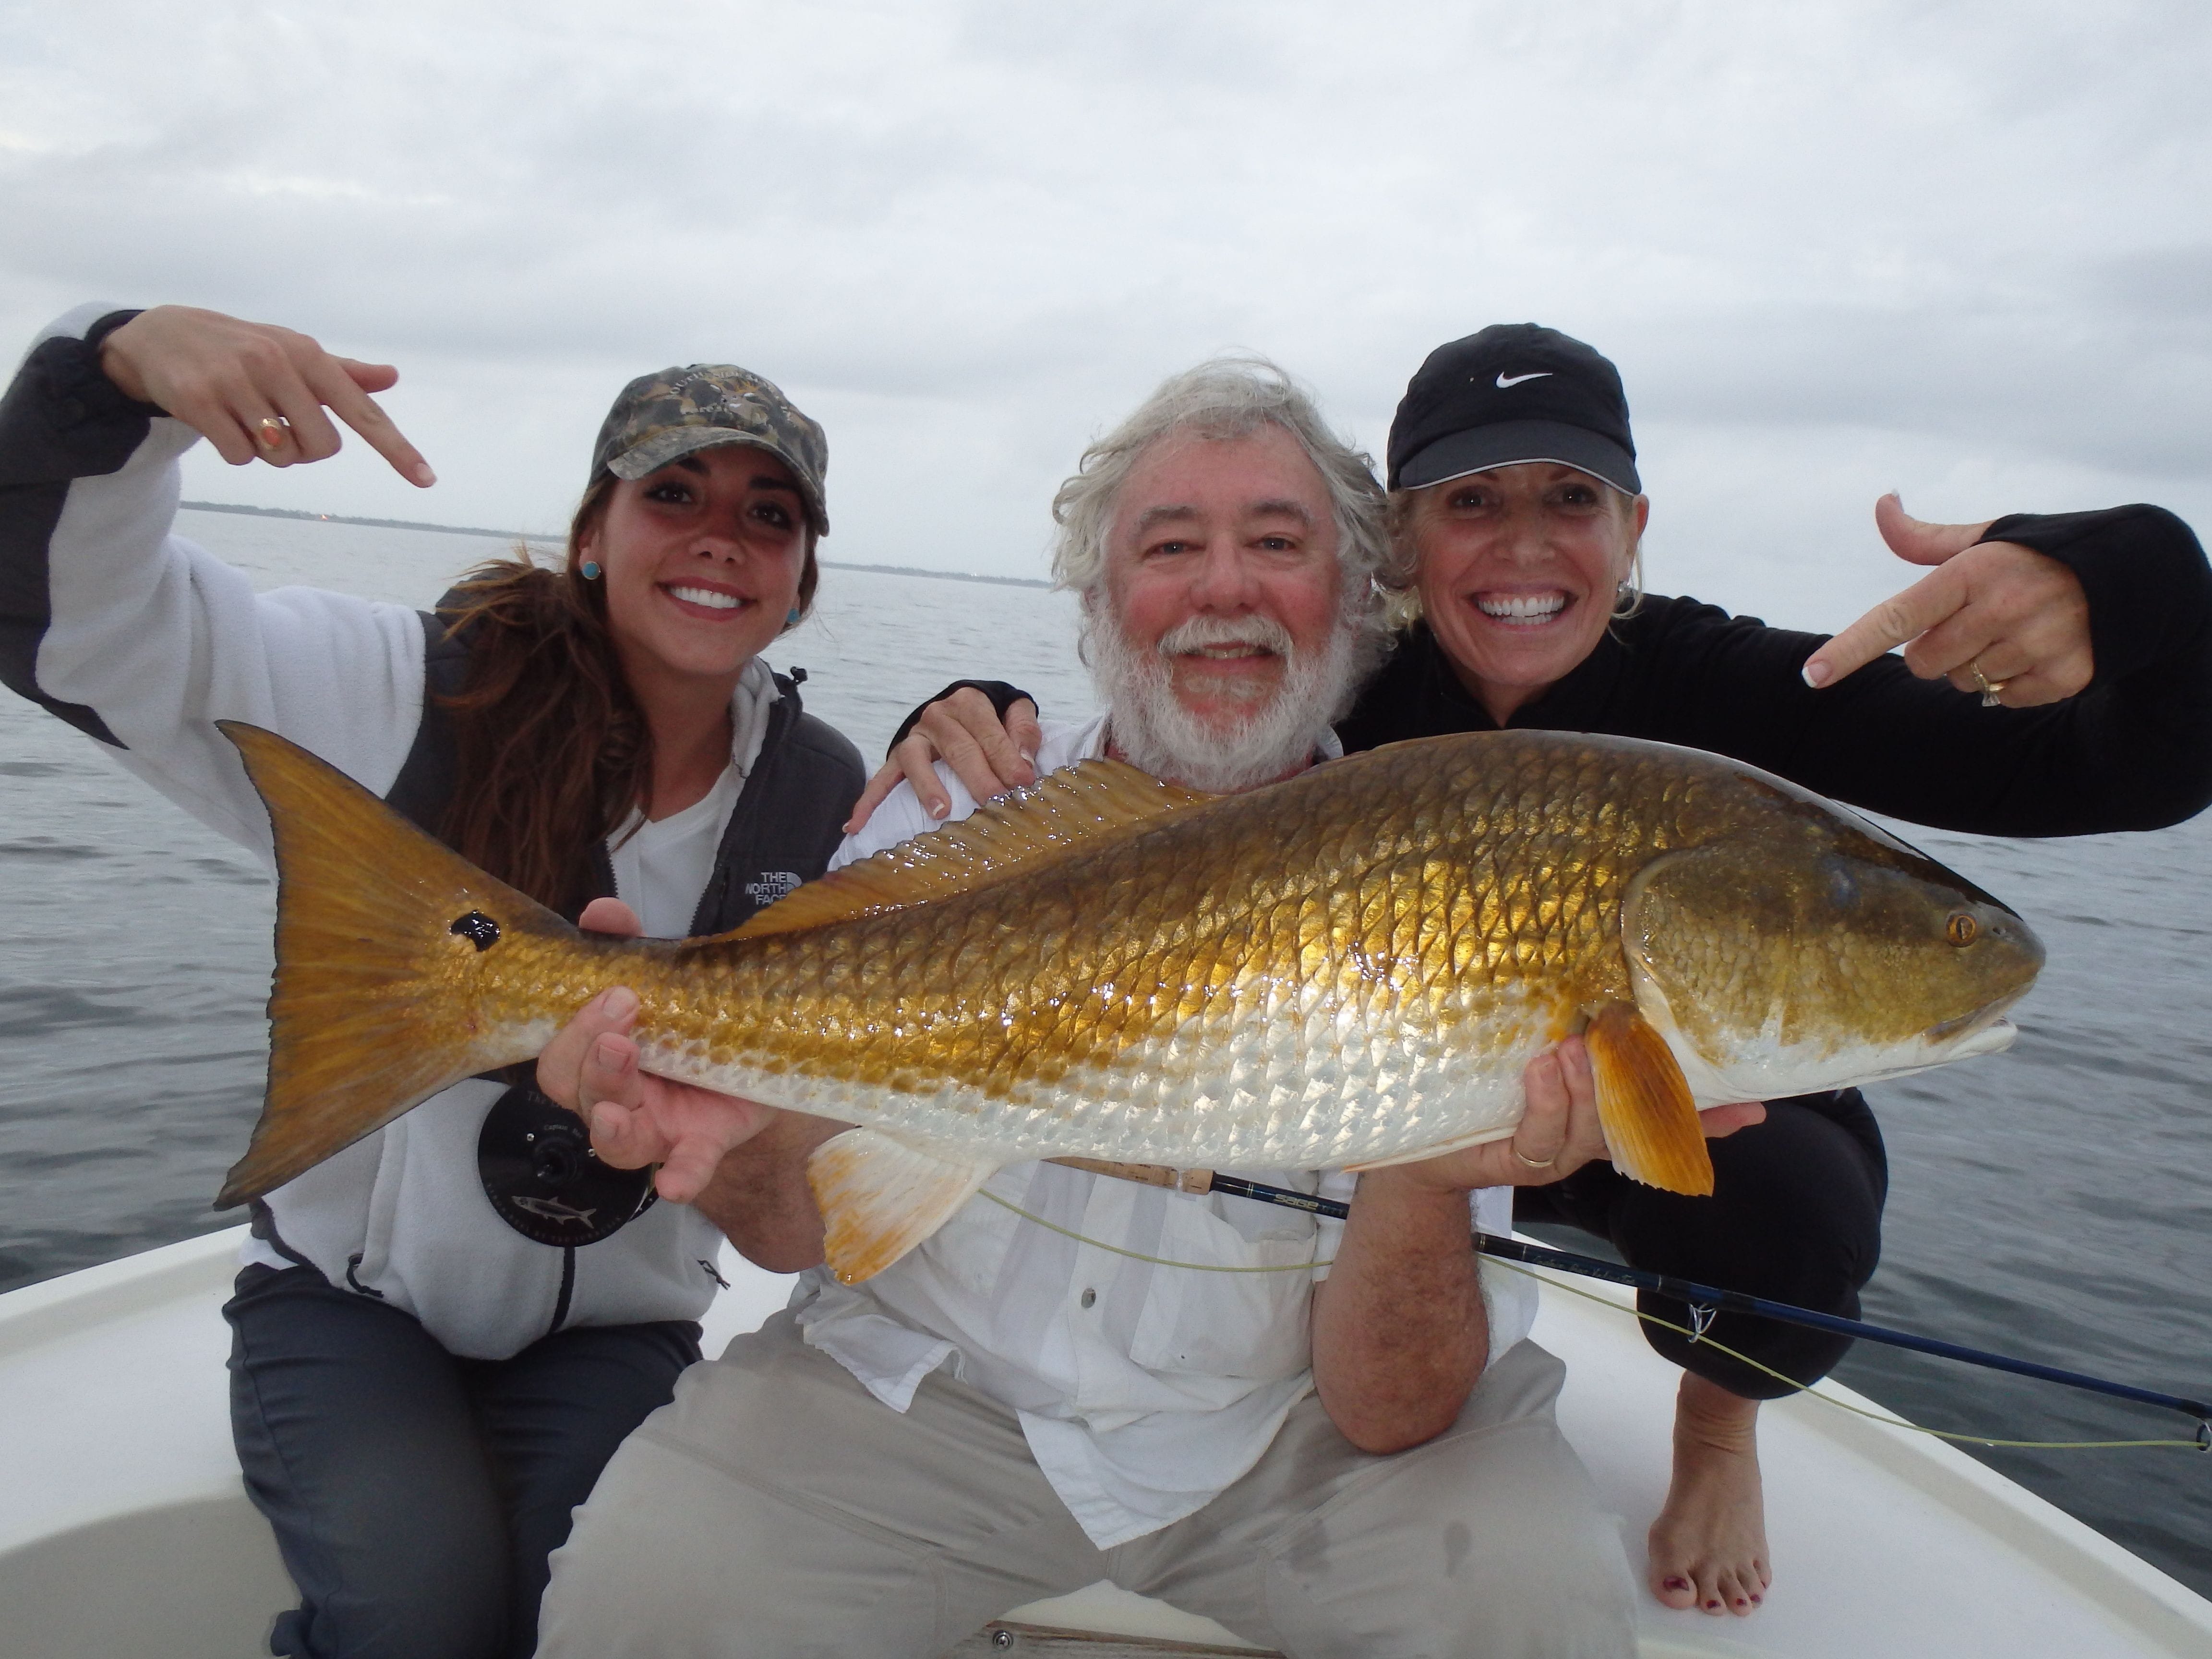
[{"x": 1708, "y": 1547}]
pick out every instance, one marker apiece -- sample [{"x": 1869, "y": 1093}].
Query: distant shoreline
[{"x": 555, "y": 541}]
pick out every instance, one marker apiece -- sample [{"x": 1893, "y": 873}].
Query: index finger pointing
[
  {"x": 1897, "y": 620},
  {"x": 346, "y": 400}
]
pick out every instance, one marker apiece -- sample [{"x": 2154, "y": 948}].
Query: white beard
[{"x": 1155, "y": 732}]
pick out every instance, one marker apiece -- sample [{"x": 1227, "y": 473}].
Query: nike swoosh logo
[{"x": 1541, "y": 374}]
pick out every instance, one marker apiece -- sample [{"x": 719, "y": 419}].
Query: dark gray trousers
[
  {"x": 416, "y": 1495},
  {"x": 1795, "y": 1216}
]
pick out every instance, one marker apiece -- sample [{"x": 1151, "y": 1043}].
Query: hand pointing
[{"x": 2019, "y": 616}]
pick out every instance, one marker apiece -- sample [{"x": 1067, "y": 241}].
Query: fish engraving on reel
[{"x": 535, "y": 1161}]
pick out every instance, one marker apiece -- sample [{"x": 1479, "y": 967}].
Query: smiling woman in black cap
[
  {"x": 1513, "y": 473},
  {"x": 443, "y": 1332},
  {"x": 2082, "y": 644}
]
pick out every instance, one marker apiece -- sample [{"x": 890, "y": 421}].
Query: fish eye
[{"x": 1961, "y": 928}]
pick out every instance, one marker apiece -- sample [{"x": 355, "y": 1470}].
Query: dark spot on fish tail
[{"x": 479, "y": 929}]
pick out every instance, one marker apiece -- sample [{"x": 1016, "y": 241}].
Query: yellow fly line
[
  {"x": 1649, "y": 1319},
  {"x": 1139, "y": 1255}
]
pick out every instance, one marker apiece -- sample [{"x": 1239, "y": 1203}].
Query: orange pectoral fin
[
  {"x": 880, "y": 1196},
  {"x": 1645, "y": 1103}
]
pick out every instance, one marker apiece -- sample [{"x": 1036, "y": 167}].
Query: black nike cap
[{"x": 1515, "y": 392}]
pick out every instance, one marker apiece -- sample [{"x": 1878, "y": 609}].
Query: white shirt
[
  {"x": 661, "y": 868},
  {"x": 1144, "y": 1389}
]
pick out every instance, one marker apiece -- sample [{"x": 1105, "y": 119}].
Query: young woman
[{"x": 442, "y": 1333}]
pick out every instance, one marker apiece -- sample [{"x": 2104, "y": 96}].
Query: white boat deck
[{"x": 124, "y": 1527}]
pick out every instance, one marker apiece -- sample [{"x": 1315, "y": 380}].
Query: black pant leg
[
  {"x": 1795, "y": 1216},
  {"x": 552, "y": 1416},
  {"x": 360, "y": 1441}
]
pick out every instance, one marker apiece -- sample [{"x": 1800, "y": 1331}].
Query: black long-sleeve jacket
[{"x": 2131, "y": 751}]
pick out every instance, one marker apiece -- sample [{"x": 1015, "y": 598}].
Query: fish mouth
[
  {"x": 1982, "y": 1031},
  {"x": 1986, "y": 1033}
]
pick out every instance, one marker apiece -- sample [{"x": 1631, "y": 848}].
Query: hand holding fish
[
  {"x": 636, "y": 1118},
  {"x": 255, "y": 391},
  {"x": 1991, "y": 613},
  {"x": 1559, "y": 1132}
]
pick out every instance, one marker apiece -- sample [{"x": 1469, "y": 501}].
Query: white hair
[{"x": 1231, "y": 397}]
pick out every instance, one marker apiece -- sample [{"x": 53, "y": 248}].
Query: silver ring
[
  {"x": 1532, "y": 1162},
  {"x": 1990, "y": 688}
]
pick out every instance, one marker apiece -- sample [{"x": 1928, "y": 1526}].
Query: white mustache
[{"x": 1266, "y": 633}]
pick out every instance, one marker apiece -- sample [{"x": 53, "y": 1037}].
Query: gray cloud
[{"x": 1835, "y": 247}]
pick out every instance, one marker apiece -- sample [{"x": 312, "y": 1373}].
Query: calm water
[{"x": 2054, "y": 1202}]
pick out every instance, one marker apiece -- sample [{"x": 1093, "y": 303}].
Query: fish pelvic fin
[
  {"x": 880, "y": 1195},
  {"x": 1644, "y": 1104},
  {"x": 1018, "y": 832},
  {"x": 383, "y": 939}
]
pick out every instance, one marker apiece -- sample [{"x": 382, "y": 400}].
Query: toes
[
  {"x": 1743, "y": 1590},
  {"x": 1674, "y": 1590}
]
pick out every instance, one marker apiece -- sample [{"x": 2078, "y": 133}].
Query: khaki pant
[{"x": 775, "y": 1508}]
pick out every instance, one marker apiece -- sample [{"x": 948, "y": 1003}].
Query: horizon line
[{"x": 527, "y": 537}]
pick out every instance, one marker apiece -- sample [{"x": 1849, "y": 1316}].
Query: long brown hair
[
  {"x": 552, "y": 748},
  {"x": 554, "y": 751}
]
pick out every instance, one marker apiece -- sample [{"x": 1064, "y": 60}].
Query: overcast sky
[{"x": 1964, "y": 250}]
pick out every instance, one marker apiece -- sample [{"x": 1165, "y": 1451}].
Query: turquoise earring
[
  {"x": 591, "y": 570},
  {"x": 790, "y": 616}
]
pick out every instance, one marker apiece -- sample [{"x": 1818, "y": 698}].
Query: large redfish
[{"x": 1346, "y": 969}]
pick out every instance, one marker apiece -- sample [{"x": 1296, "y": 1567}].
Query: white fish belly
[{"x": 1323, "y": 1090}]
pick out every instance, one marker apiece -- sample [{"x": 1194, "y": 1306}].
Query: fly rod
[{"x": 1703, "y": 1301}]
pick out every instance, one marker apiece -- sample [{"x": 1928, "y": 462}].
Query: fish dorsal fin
[
  {"x": 1644, "y": 1104},
  {"x": 1014, "y": 835}
]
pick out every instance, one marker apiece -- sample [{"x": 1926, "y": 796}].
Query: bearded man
[{"x": 1342, "y": 1444}]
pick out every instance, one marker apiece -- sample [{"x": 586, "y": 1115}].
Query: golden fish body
[{"x": 1347, "y": 968}]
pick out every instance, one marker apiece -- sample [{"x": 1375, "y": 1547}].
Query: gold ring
[
  {"x": 1532, "y": 1162},
  {"x": 272, "y": 432},
  {"x": 1990, "y": 688}
]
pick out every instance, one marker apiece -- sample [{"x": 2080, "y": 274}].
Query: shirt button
[{"x": 1090, "y": 1297}]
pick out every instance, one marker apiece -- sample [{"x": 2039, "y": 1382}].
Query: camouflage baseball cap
[{"x": 660, "y": 417}]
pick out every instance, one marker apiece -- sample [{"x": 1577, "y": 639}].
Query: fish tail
[{"x": 390, "y": 948}]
